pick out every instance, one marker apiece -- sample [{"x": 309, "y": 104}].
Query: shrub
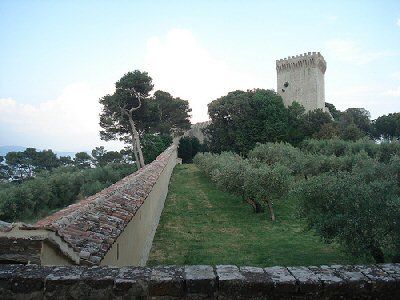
[
  {"x": 188, "y": 148},
  {"x": 56, "y": 189},
  {"x": 251, "y": 180},
  {"x": 360, "y": 208}
]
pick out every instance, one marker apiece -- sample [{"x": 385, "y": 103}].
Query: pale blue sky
[{"x": 58, "y": 57}]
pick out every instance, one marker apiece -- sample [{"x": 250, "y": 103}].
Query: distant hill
[{"x": 5, "y": 149}]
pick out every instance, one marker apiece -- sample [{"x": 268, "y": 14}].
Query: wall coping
[{"x": 201, "y": 282}]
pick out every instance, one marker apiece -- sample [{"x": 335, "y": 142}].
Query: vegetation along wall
[{"x": 113, "y": 227}]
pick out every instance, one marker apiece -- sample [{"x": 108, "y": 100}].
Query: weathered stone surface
[
  {"x": 99, "y": 281},
  {"x": 256, "y": 283},
  {"x": 7, "y": 273},
  {"x": 331, "y": 283},
  {"x": 301, "y": 78},
  {"x": 64, "y": 283},
  {"x": 132, "y": 282},
  {"x": 167, "y": 281},
  {"x": 230, "y": 281},
  {"x": 200, "y": 280},
  {"x": 391, "y": 269},
  {"x": 380, "y": 283},
  {"x": 21, "y": 250},
  {"x": 306, "y": 279},
  {"x": 283, "y": 281}
]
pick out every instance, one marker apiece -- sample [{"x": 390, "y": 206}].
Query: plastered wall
[{"x": 133, "y": 246}]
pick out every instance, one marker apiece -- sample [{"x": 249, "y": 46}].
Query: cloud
[
  {"x": 69, "y": 122},
  {"x": 179, "y": 64},
  {"x": 350, "y": 51},
  {"x": 393, "y": 92},
  {"x": 398, "y": 22}
]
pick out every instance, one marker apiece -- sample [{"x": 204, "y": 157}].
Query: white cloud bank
[
  {"x": 69, "y": 122},
  {"x": 180, "y": 65}
]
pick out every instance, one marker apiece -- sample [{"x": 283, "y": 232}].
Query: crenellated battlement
[{"x": 314, "y": 59}]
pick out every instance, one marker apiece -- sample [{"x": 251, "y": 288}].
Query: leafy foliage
[
  {"x": 360, "y": 208},
  {"x": 246, "y": 178},
  {"x": 349, "y": 192},
  {"x": 53, "y": 190},
  {"x": 387, "y": 127},
  {"x": 241, "y": 119},
  {"x": 188, "y": 148},
  {"x": 154, "y": 144},
  {"x": 131, "y": 113}
]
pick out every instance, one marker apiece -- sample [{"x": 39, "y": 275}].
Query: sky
[{"x": 57, "y": 58}]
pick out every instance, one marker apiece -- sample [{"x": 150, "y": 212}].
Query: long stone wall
[
  {"x": 113, "y": 227},
  {"x": 200, "y": 282}
]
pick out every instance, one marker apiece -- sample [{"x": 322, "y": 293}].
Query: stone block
[
  {"x": 28, "y": 281},
  {"x": 356, "y": 281},
  {"x": 380, "y": 283},
  {"x": 7, "y": 273},
  {"x": 308, "y": 282},
  {"x": 167, "y": 281},
  {"x": 98, "y": 282},
  {"x": 200, "y": 280},
  {"x": 64, "y": 282},
  {"x": 256, "y": 283},
  {"x": 132, "y": 282},
  {"x": 283, "y": 282},
  {"x": 230, "y": 281},
  {"x": 332, "y": 285}
]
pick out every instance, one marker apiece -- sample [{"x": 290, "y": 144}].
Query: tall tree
[
  {"x": 82, "y": 160},
  {"x": 313, "y": 121},
  {"x": 387, "y": 126},
  {"x": 131, "y": 113},
  {"x": 295, "y": 114},
  {"x": 241, "y": 119},
  {"x": 355, "y": 123},
  {"x": 117, "y": 117},
  {"x": 171, "y": 114}
]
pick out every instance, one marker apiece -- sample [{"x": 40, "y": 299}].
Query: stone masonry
[
  {"x": 200, "y": 282},
  {"x": 301, "y": 78}
]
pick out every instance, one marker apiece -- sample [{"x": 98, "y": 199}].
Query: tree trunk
[
  {"x": 377, "y": 254},
  {"x": 136, "y": 141},
  {"x": 271, "y": 210},
  {"x": 256, "y": 206},
  {"x": 139, "y": 150},
  {"x": 134, "y": 150}
]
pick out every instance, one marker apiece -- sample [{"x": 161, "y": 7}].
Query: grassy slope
[{"x": 202, "y": 225}]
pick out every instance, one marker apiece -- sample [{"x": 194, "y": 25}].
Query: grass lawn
[{"x": 203, "y": 225}]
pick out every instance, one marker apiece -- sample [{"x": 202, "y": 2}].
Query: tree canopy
[
  {"x": 131, "y": 112},
  {"x": 241, "y": 119},
  {"x": 387, "y": 126}
]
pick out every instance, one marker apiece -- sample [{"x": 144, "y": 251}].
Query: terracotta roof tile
[{"x": 93, "y": 224}]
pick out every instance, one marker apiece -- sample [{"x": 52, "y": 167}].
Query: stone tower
[{"x": 301, "y": 79}]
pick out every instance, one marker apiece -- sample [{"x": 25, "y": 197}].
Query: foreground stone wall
[{"x": 200, "y": 282}]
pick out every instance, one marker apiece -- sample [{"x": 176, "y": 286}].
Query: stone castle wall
[
  {"x": 200, "y": 282},
  {"x": 301, "y": 78}
]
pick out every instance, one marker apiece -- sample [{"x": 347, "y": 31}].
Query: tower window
[{"x": 286, "y": 84}]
